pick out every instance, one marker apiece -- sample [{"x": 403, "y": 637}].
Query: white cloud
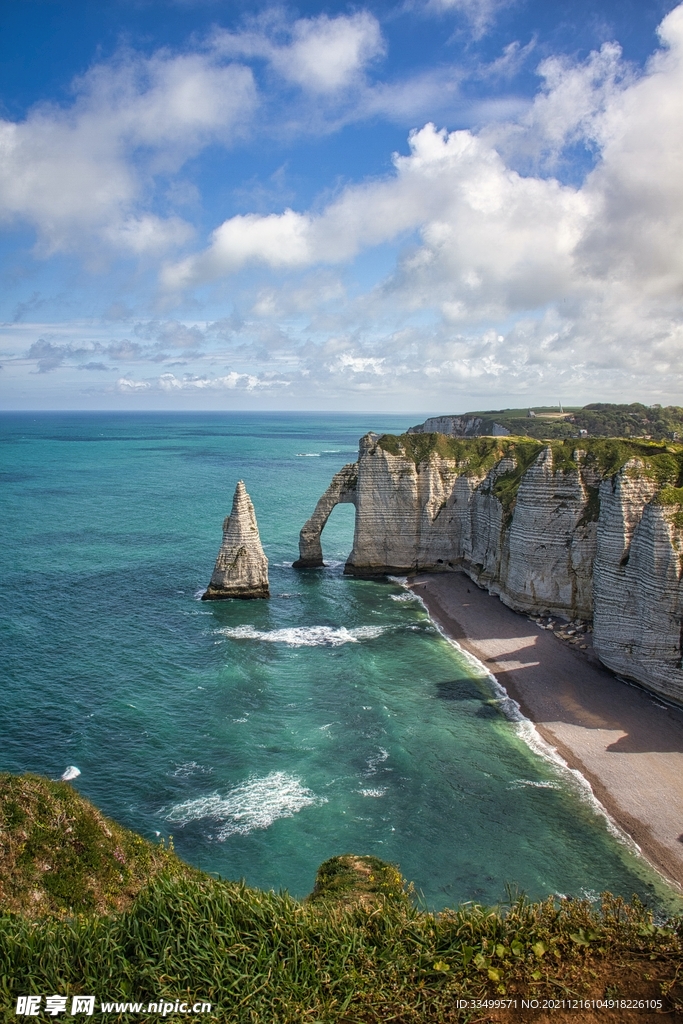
[
  {"x": 568, "y": 109},
  {"x": 81, "y": 173},
  {"x": 586, "y": 279},
  {"x": 279, "y": 240},
  {"x": 358, "y": 364},
  {"x": 445, "y": 180},
  {"x": 328, "y": 54},
  {"x": 168, "y": 382},
  {"x": 125, "y": 384},
  {"x": 321, "y": 55}
]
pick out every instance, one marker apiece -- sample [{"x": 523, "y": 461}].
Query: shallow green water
[{"x": 264, "y": 736}]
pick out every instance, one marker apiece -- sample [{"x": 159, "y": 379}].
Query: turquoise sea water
[{"x": 265, "y": 736}]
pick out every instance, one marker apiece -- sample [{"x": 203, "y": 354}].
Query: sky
[{"x": 419, "y": 206}]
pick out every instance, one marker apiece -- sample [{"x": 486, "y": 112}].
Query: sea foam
[
  {"x": 305, "y": 636},
  {"x": 188, "y": 768},
  {"x": 529, "y": 734},
  {"x": 254, "y": 804}
]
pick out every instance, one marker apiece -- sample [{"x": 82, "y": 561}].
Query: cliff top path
[{"x": 623, "y": 740}]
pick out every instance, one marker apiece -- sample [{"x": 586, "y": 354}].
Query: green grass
[
  {"x": 473, "y": 456},
  {"x": 265, "y": 957},
  {"x": 671, "y": 498},
  {"x": 59, "y": 855}
]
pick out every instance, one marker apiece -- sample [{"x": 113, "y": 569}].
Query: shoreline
[{"x": 622, "y": 740}]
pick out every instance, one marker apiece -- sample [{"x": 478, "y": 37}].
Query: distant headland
[{"x": 650, "y": 422}]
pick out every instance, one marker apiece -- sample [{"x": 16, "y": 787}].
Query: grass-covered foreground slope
[
  {"x": 357, "y": 950},
  {"x": 59, "y": 855}
]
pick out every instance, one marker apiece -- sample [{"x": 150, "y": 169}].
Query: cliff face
[
  {"x": 638, "y": 622},
  {"x": 342, "y": 490},
  {"x": 241, "y": 568},
  {"x": 592, "y": 533},
  {"x": 460, "y": 426},
  {"x": 550, "y": 546}
]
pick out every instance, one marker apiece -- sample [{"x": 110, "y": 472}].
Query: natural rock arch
[{"x": 342, "y": 490}]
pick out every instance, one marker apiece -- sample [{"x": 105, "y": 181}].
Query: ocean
[{"x": 263, "y": 736}]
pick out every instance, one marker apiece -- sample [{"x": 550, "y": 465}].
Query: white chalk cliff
[
  {"x": 241, "y": 568},
  {"x": 592, "y": 532}
]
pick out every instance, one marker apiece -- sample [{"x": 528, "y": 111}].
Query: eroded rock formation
[
  {"x": 342, "y": 490},
  {"x": 592, "y": 532},
  {"x": 241, "y": 568},
  {"x": 637, "y": 580}
]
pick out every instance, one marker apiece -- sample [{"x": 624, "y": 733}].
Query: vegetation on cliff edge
[
  {"x": 357, "y": 950},
  {"x": 602, "y": 457},
  {"x": 59, "y": 855}
]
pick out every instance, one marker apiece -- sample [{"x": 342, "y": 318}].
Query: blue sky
[{"x": 424, "y": 206}]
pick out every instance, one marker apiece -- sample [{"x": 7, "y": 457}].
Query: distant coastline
[{"x": 623, "y": 741}]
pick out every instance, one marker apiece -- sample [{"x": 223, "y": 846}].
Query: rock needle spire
[{"x": 241, "y": 568}]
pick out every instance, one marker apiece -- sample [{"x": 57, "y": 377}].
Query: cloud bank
[
  {"x": 80, "y": 174},
  {"x": 582, "y": 277},
  {"x": 539, "y": 254}
]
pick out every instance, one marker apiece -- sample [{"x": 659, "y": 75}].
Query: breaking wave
[
  {"x": 254, "y": 804},
  {"x": 305, "y": 636},
  {"x": 529, "y": 734},
  {"x": 534, "y": 783}
]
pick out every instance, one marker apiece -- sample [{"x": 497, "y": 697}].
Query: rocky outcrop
[
  {"x": 241, "y": 568},
  {"x": 592, "y": 533},
  {"x": 342, "y": 490}
]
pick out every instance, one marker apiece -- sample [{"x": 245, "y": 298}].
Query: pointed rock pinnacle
[{"x": 241, "y": 568}]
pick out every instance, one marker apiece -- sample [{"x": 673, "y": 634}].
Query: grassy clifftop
[
  {"x": 477, "y": 455},
  {"x": 357, "y": 951}
]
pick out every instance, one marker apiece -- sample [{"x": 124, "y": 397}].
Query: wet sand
[{"x": 622, "y": 739}]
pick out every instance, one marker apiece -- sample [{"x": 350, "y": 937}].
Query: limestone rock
[
  {"x": 456, "y": 426},
  {"x": 439, "y": 515},
  {"x": 565, "y": 538},
  {"x": 550, "y": 560},
  {"x": 341, "y": 490},
  {"x": 459, "y": 426},
  {"x": 404, "y": 512},
  {"x": 638, "y": 623},
  {"x": 241, "y": 568}
]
